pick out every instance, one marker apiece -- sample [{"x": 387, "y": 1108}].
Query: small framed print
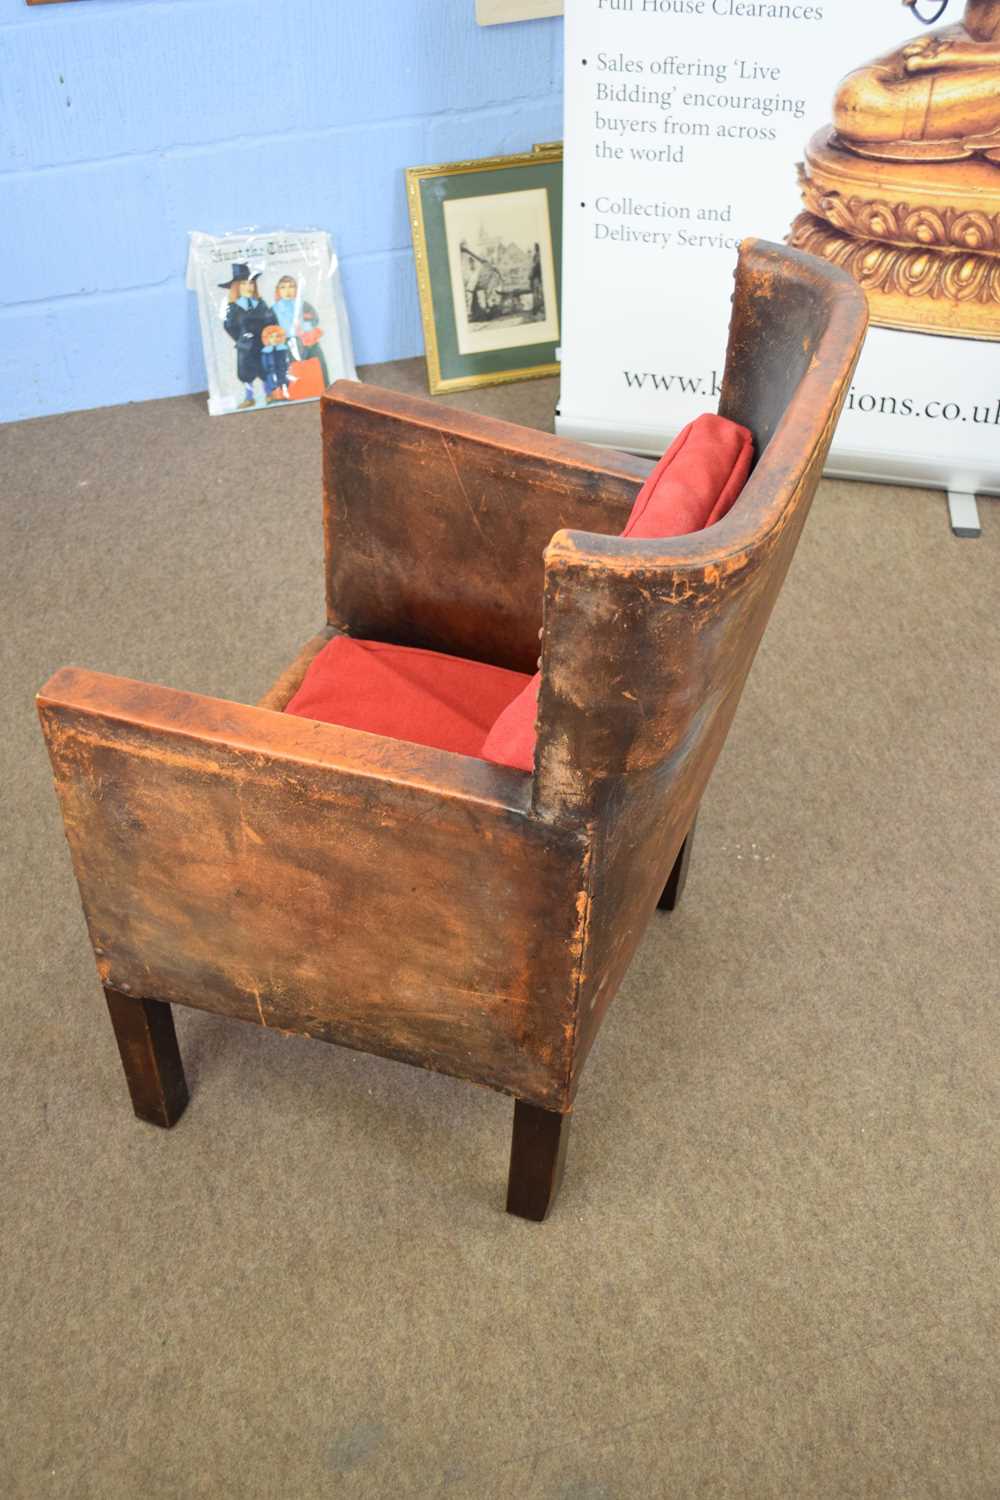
[{"x": 487, "y": 239}]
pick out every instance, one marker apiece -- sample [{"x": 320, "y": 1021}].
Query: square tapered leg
[
  {"x": 537, "y": 1158},
  {"x": 147, "y": 1042}
]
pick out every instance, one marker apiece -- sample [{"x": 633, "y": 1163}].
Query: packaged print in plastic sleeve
[{"x": 273, "y": 321}]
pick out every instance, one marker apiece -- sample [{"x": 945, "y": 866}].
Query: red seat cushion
[
  {"x": 695, "y": 482},
  {"x": 693, "y": 486},
  {"x": 404, "y": 693}
]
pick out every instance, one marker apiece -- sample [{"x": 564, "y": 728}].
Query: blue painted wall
[{"x": 125, "y": 123}]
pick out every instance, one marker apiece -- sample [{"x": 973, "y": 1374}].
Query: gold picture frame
[{"x": 487, "y": 245}]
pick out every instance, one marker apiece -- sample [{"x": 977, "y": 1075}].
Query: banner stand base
[{"x": 964, "y": 514}]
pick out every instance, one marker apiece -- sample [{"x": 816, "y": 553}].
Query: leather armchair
[{"x": 423, "y": 905}]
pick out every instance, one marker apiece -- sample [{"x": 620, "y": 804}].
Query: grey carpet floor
[{"x": 773, "y": 1269}]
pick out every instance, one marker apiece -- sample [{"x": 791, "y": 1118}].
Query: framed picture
[
  {"x": 487, "y": 238},
  {"x": 273, "y": 321}
]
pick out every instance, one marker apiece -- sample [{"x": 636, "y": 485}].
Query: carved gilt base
[{"x": 922, "y": 238}]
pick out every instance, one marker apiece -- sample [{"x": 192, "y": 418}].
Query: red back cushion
[
  {"x": 696, "y": 480},
  {"x": 693, "y": 486}
]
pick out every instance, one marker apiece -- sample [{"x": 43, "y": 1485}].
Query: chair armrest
[
  {"x": 147, "y": 720},
  {"x": 260, "y": 865},
  {"x": 437, "y": 519}
]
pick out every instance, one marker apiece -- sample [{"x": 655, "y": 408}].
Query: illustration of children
[
  {"x": 300, "y": 320},
  {"x": 275, "y": 359},
  {"x": 247, "y": 315}
]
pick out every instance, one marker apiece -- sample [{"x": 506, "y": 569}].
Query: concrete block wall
[{"x": 125, "y": 123}]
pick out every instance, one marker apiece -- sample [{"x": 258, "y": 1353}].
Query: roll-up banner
[{"x": 846, "y": 127}]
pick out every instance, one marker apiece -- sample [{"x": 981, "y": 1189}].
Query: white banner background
[{"x": 645, "y": 319}]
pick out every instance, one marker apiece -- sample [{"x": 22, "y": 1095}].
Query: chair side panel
[{"x": 433, "y": 929}]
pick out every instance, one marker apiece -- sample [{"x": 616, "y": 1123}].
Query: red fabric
[
  {"x": 511, "y": 741},
  {"x": 696, "y": 480},
  {"x": 404, "y": 693}
]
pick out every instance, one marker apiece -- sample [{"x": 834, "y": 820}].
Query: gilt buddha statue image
[{"x": 903, "y": 190}]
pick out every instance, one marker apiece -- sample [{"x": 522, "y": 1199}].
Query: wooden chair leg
[
  {"x": 147, "y": 1041},
  {"x": 677, "y": 879},
  {"x": 537, "y": 1158}
]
